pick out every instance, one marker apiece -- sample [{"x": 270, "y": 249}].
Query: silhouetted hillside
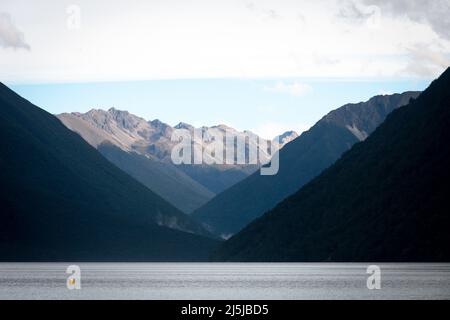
[
  {"x": 61, "y": 200},
  {"x": 300, "y": 161},
  {"x": 384, "y": 200}
]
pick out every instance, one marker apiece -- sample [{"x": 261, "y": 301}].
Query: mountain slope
[
  {"x": 61, "y": 200},
  {"x": 300, "y": 161},
  {"x": 164, "y": 179},
  {"x": 385, "y": 200},
  {"x": 285, "y": 138}
]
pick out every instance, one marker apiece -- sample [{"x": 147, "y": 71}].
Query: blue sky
[{"x": 265, "y": 106}]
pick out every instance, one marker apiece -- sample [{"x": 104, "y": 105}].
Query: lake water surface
[{"x": 203, "y": 281}]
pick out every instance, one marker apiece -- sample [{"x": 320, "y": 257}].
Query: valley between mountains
[{"x": 367, "y": 182}]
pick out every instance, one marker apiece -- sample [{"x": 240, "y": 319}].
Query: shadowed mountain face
[
  {"x": 300, "y": 161},
  {"x": 152, "y": 139},
  {"x": 384, "y": 200},
  {"x": 116, "y": 133},
  {"x": 62, "y": 200},
  {"x": 164, "y": 179}
]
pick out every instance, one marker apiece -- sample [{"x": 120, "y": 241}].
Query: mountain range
[
  {"x": 365, "y": 183},
  {"x": 300, "y": 161},
  {"x": 62, "y": 200},
  {"x": 386, "y": 199},
  {"x": 143, "y": 149}
]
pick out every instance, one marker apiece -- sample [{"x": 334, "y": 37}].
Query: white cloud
[
  {"x": 273, "y": 39},
  {"x": 263, "y": 12},
  {"x": 10, "y": 36},
  {"x": 435, "y": 12},
  {"x": 295, "y": 88},
  {"x": 424, "y": 61}
]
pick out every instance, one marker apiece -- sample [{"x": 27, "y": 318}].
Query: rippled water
[{"x": 202, "y": 281}]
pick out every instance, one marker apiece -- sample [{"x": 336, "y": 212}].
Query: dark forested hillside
[
  {"x": 300, "y": 161},
  {"x": 61, "y": 200},
  {"x": 385, "y": 200}
]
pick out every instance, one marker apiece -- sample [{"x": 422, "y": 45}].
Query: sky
[{"x": 267, "y": 66}]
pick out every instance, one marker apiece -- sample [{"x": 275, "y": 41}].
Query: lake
[{"x": 203, "y": 281}]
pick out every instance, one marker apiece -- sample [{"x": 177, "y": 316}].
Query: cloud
[
  {"x": 263, "y": 12},
  {"x": 267, "y": 39},
  {"x": 425, "y": 62},
  {"x": 425, "y": 58},
  {"x": 434, "y": 13},
  {"x": 294, "y": 88},
  {"x": 321, "y": 60},
  {"x": 10, "y": 36},
  {"x": 351, "y": 10}
]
